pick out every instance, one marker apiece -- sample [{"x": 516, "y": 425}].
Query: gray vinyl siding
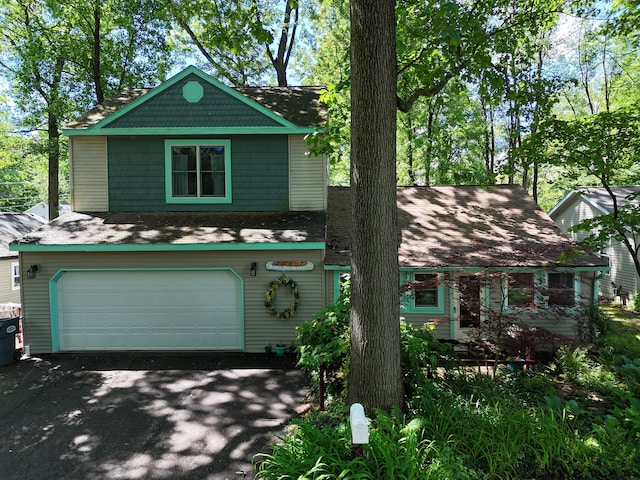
[
  {"x": 552, "y": 319},
  {"x": 572, "y": 215},
  {"x": 308, "y": 177},
  {"x": 261, "y": 328},
  {"x": 259, "y": 175},
  {"x": 555, "y": 320},
  {"x": 89, "y": 172},
  {"x": 442, "y": 330},
  {"x": 622, "y": 272},
  {"x": 7, "y": 294}
]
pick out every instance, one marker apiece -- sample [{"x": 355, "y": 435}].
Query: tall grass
[{"x": 471, "y": 427}]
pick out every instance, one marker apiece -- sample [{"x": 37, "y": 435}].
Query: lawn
[{"x": 577, "y": 417}]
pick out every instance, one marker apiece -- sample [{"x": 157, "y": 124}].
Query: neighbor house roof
[
  {"x": 165, "y": 229},
  {"x": 464, "y": 227},
  {"x": 14, "y": 226},
  {"x": 600, "y": 198}
]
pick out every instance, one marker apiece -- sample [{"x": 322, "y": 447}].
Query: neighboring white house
[
  {"x": 12, "y": 227},
  {"x": 42, "y": 209},
  {"x": 590, "y": 202}
]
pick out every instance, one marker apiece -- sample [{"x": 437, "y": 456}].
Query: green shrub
[
  {"x": 324, "y": 341},
  {"x": 421, "y": 354},
  {"x": 592, "y": 325},
  {"x": 635, "y": 302}
]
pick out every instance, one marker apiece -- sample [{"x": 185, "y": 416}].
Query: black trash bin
[{"x": 8, "y": 330}]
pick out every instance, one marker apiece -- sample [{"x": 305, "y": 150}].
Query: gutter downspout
[{"x": 596, "y": 286}]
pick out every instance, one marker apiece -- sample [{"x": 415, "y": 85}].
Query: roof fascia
[
  {"x": 104, "y": 123},
  {"x": 166, "y": 247},
  {"x": 189, "y": 131},
  {"x": 532, "y": 269},
  {"x": 593, "y": 203},
  {"x": 562, "y": 204}
]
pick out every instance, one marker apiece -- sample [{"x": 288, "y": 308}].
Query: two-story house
[
  {"x": 190, "y": 199},
  {"x": 181, "y": 195}
]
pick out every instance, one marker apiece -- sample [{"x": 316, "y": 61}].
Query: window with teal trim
[
  {"x": 424, "y": 292},
  {"x": 520, "y": 290},
  {"x": 561, "y": 289},
  {"x": 198, "y": 172}
]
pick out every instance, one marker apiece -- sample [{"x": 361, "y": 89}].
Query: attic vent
[{"x": 192, "y": 91}]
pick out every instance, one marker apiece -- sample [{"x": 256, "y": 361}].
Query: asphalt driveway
[{"x": 144, "y": 416}]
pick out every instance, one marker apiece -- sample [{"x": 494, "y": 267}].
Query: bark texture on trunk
[{"x": 375, "y": 378}]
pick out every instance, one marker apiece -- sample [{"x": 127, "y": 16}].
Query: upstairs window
[
  {"x": 15, "y": 276},
  {"x": 198, "y": 171},
  {"x": 561, "y": 289},
  {"x": 520, "y": 292}
]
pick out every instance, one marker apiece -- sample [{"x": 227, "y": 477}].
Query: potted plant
[
  {"x": 515, "y": 364},
  {"x": 281, "y": 348},
  {"x": 268, "y": 349}
]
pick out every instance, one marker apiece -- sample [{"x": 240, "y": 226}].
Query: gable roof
[
  {"x": 218, "y": 109},
  {"x": 124, "y": 231},
  {"x": 14, "y": 226},
  {"x": 599, "y": 198},
  {"x": 464, "y": 227}
]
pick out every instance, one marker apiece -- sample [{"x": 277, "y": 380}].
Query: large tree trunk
[
  {"x": 53, "y": 152},
  {"x": 375, "y": 378}
]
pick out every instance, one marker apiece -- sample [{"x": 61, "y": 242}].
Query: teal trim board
[{"x": 166, "y": 247}]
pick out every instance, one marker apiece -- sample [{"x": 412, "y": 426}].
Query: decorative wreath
[{"x": 270, "y": 297}]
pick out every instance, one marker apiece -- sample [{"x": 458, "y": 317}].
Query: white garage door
[{"x": 150, "y": 310}]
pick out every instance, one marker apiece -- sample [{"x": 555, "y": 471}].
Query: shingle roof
[
  {"x": 108, "y": 107},
  {"x": 464, "y": 226},
  {"x": 600, "y": 196},
  {"x": 299, "y": 105},
  {"x": 179, "y": 228},
  {"x": 13, "y": 226}
]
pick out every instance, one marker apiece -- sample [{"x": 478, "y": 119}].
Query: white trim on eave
[{"x": 568, "y": 199}]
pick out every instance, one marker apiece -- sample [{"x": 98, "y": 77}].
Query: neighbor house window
[
  {"x": 15, "y": 276},
  {"x": 561, "y": 289},
  {"x": 520, "y": 292},
  {"x": 198, "y": 171}
]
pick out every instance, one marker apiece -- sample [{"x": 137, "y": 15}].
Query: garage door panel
[{"x": 150, "y": 310}]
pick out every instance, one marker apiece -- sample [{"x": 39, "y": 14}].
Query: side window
[
  {"x": 198, "y": 171},
  {"x": 425, "y": 289},
  {"x": 15, "y": 276},
  {"x": 422, "y": 292},
  {"x": 520, "y": 289},
  {"x": 561, "y": 289}
]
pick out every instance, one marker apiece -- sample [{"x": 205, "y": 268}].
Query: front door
[{"x": 469, "y": 306}]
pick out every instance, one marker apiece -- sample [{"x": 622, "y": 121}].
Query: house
[
  {"x": 42, "y": 209},
  {"x": 589, "y": 202},
  {"x": 199, "y": 222},
  {"x": 473, "y": 251},
  {"x": 177, "y": 192},
  {"x": 13, "y": 226}
]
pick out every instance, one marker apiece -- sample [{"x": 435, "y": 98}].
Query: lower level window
[
  {"x": 520, "y": 290},
  {"x": 561, "y": 289},
  {"x": 425, "y": 288}
]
